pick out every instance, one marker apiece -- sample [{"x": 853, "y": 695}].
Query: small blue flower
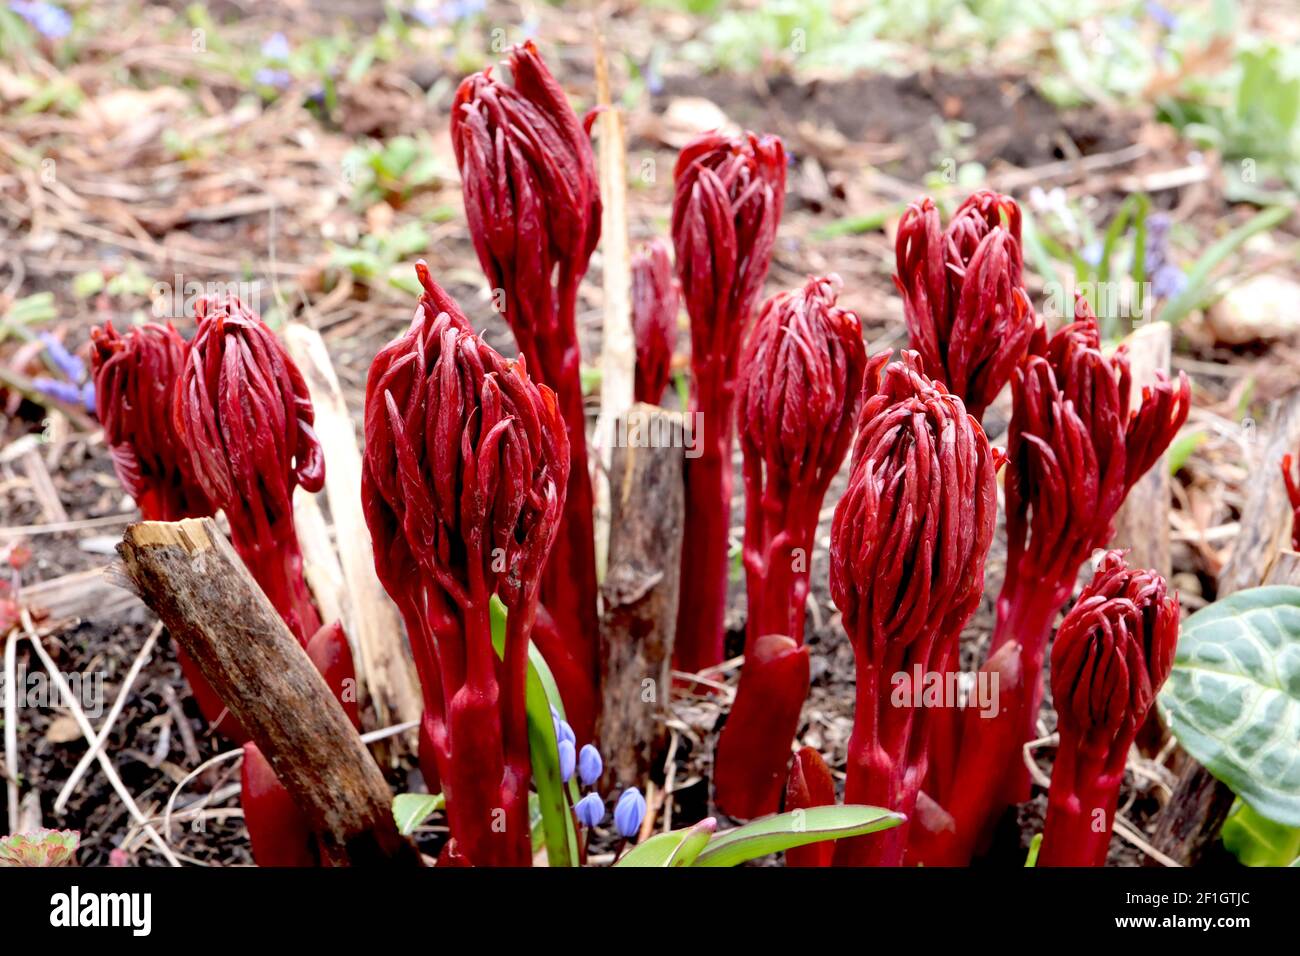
[
  {"x": 69, "y": 393},
  {"x": 1168, "y": 281},
  {"x": 276, "y": 48},
  {"x": 1162, "y": 15},
  {"x": 73, "y": 368},
  {"x": 1092, "y": 254},
  {"x": 567, "y": 760},
  {"x": 564, "y": 732},
  {"x": 277, "y": 79},
  {"x": 629, "y": 812},
  {"x": 590, "y": 810},
  {"x": 50, "y": 21},
  {"x": 590, "y": 766}
]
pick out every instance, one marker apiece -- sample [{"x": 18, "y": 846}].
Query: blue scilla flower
[
  {"x": 73, "y": 368},
  {"x": 49, "y": 21},
  {"x": 1168, "y": 281},
  {"x": 75, "y": 388},
  {"x": 590, "y": 810},
  {"x": 564, "y": 732},
  {"x": 276, "y": 48},
  {"x": 590, "y": 766},
  {"x": 629, "y": 812},
  {"x": 567, "y": 760}
]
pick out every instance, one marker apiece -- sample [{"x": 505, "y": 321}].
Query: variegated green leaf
[{"x": 1233, "y": 699}]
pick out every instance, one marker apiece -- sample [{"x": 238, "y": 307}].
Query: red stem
[
  {"x": 705, "y": 567},
  {"x": 1081, "y": 802}
]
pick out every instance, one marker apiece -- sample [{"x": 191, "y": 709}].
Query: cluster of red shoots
[{"x": 225, "y": 423}]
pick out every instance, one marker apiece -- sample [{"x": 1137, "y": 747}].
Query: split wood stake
[{"x": 190, "y": 575}]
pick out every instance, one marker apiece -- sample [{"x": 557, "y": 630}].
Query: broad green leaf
[
  {"x": 675, "y": 848},
  {"x": 552, "y": 800},
  {"x": 797, "y": 828},
  {"x": 1233, "y": 698},
  {"x": 1181, "y": 449},
  {"x": 1258, "y": 841},
  {"x": 412, "y": 809}
]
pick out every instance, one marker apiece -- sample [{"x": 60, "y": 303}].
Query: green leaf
[
  {"x": 1257, "y": 841},
  {"x": 412, "y": 809},
  {"x": 856, "y": 225},
  {"x": 1198, "y": 277},
  {"x": 1181, "y": 449},
  {"x": 1233, "y": 698},
  {"x": 676, "y": 848},
  {"x": 1034, "y": 846},
  {"x": 797, "y": 828},
  {"x": 541, "y": 695}
]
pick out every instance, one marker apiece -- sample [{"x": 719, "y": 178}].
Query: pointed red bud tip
[
  {"x": 1293, "y": 495},
  {"x": 1074, "y": 446},
  {"x": 726, "y": 208},
  {"x": 967, "y": 312},
  {"x": 912, "y": 530},
  {"x": 466, "y": 463},
  {"x": 247, "y": 417},
  {"x": 1113, "y": 652},
  {"x": 810, "y": 785},
  {"x": 135, "y": 387},
  {"x": 532, "y": 196},
  {"x": 329, "y": 650},
  {"x": 654, "y": 318},
  {"x": 800, "y": 384}
]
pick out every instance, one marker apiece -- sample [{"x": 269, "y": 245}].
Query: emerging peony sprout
[
  {"x": 533, "y": 204},
  {"x": 1112, "y": 654},
  {"x": 465, "y": 471},
  {"x": 810, "y": 785},
  {"x": 243, "y": 411},
  {"x": 654, "y": 318},
  {"x": 799, "y": 390},
  {"x": 135, "y": 386},
  {"x": 1075, "y": 449},
  {"x": 967, "y": 313},
  {"x": 908, "y": 544},
  {"x": 729, "y": 192}
]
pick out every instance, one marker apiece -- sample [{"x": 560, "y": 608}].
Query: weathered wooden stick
[
  {"x": 1142, "y": 525},
  {"x": 190, "y": 575},
  {"x": 1189, "y": 823},
  {"x": 384, "y": 664},
  {"x": 641, "y": 588}
]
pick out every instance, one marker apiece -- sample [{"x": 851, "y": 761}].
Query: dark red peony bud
[
  {"x": 908, "y": 544},
  {"x": 532, "y": 199},
  {"x": 465, "y": 469},
  {"x": 967, "y": 313},
  {"x": 800, "y": 387},
  {"x": 810, "y": 785},
  {"x": 729, "y": 192},
  {"x": 1079, "y": 440},
  {"x": 1113, "y": 652},
  {"x": 246, "y": 418},
  {"x": 135, "y": 385},
  {"x": 654, "y": 319}
]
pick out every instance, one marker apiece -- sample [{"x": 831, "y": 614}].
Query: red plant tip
[
  {"x": 967, "y": 313},
  {"x": 1293, "y": 495},
  {"x": 810, "y": 785},
  {"x": 1075, "y": 448},
  {"x": 532, "y": 200},
  {"x": 466, "y": 464},
  {"x": 532, "y": 197},
  {"x": 654, "y": 318},
  {"x": 799, "y": 390},
  {"x": 908, "y": 544},
  {"x": 246, "y": 417},
  {"x": 727, "y": 205},
  {"x": 1112, "y": 654},
  {"x": 135, "y": 385}
]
